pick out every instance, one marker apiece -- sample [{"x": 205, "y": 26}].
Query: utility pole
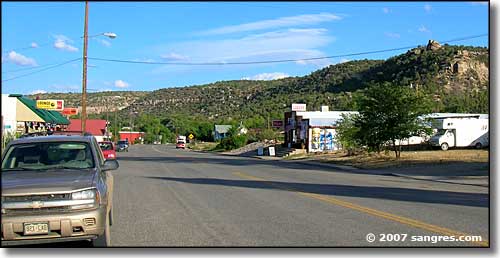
[
  {"x": 84, "y": 80},
  {"x": 115, "y": 133}
]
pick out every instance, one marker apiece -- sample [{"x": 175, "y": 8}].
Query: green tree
[
  {"x": 347, "y": 134},
  {"x": 388, "y": 113}
]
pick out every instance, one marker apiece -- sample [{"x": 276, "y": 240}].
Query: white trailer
[{"x": 460, "y": 132}]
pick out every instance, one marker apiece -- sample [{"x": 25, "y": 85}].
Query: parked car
[
  {"x": 56, "y": 188},
  {"x": 122, "y": 146},
  {"x": 108, "y": 149}
]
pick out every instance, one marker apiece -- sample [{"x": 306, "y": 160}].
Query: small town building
[
  {"x": 131, "y": 137},
  {"x": 20, "y": 115},
  {"x": 221, "y": 131},
  {"x": 314, "y": 131},
  {"x": 96, "y": 127}
]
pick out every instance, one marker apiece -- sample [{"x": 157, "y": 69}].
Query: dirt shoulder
[{"x": 418, "y": 163}]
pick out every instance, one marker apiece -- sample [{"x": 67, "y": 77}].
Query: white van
[{"x": 460, "y": 132}]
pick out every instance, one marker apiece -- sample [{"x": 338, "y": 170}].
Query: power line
[
  {"x": 245, "y": 63},
  {"x": 48, "y": 68},
  {"x": 282, "y": 60},
  {"x": 30, "y": 68},
  {"x": 42, "y": 45}
]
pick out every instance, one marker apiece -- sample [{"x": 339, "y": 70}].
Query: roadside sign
[
  {"x": 70, "y": 111},
  {"x": 191, "y": 136},
  {"x": 277, "y": 123},
  {"x": 271, "y": 151},
  {"x": 260, "y": 151},
  {"x": 50, "y": 104},
  {"x": 298, "y": 107}
]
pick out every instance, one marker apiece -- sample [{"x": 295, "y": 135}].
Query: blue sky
[{"x": 37, "y": 34}]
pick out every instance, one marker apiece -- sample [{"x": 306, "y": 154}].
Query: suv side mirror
[{"x": 110, "y": 164}]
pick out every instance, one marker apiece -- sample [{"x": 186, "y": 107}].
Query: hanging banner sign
[{"x": 50, "y": 104}]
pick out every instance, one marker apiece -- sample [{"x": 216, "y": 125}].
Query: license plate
[{"x": 37, "y": 228}]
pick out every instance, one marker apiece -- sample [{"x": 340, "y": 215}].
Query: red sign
[
  {"x": 70, "y": 111},
  {"x": 277, "y": 123},
  {"x": 298, "y": 107}
]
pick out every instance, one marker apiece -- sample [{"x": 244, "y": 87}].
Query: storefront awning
[{"x": 38, "y": 115}]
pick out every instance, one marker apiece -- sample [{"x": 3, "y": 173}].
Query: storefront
[
  {"x": 30, "y": 119},
  {"x": 314, "y": 131}
]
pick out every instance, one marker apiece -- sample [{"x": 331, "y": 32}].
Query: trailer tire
[
  {"x": 478, "y": 145},
  {"x": 444, "y": 146}
]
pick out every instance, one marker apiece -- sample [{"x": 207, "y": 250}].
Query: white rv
[{"x": 460, "y": 132}]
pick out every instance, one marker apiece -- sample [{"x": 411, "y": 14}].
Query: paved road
[
  {"x": 169, "y": 197},
  {"x": 180, "y": 198}
]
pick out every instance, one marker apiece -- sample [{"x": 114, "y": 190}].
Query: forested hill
[{"x": 455, "y": 77}]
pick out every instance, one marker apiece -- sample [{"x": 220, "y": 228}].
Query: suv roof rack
[{"x": 69, "y": 133}]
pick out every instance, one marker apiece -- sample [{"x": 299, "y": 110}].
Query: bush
[{"x": 232, "y": 142}]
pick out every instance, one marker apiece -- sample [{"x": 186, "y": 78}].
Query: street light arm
[{"x": 110, "y": 35}]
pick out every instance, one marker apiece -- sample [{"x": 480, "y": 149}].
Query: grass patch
[
  {"x": 383, "y": 160},
  {"x": 202, "y": 146}
]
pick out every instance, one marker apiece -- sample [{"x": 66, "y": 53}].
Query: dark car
[
  {"x": 56, "y": 188},
  {"x": 122, "y": 146}
]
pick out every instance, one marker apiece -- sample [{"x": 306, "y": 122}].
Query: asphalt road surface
[{"x": 180, "y": 198}]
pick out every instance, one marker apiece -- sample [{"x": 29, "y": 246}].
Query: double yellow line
[{"x": 377, "y": 213}]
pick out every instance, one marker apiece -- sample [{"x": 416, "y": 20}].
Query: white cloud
[
  {"x": 121, "y": 84},
  {"x": 34, "y": 45},
  {"x": 274, "y": 45},
  {"x": 423, "y": 29},
  {"x": 18, "y": 59},
  {"x": 67, "y": 88},
  {"x": 147, "y": 60},
  {"x": 174, "y": 57},
  {"x": 386, "y": 10},
  {"x": 304, "y": 19},
  {"x": 61, "y": 43},
  {"x": 256, "y": 47},
  {"x": 479, "y": 3},
  {"x": 37, "y": 92},
  {"x": 104, "y": 42},
  {"x": 266, "y": 76},
  {"x": 392, "y": 35},
  {"x": 428, "y": 8},
  {"x": 344, "y": 60}
]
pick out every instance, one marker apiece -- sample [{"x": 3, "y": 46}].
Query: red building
[
  {"x": 131, "y": 137},
  {"x": 97, "y": 127}
]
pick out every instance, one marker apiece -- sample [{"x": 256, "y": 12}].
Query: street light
[{"x": 84, "y": 80}]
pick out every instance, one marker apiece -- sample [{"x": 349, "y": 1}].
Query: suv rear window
[
  {"x": 106, "y": 146},
  {"x": 47, "y": 155}
]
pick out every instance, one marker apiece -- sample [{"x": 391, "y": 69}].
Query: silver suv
[{"x": 56, "y": 188}]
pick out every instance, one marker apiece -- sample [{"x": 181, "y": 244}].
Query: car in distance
[
  {"x": 122, "y": 146},
  {"x": 54, "y": 189},
  {"x": 108, "y": 149}
]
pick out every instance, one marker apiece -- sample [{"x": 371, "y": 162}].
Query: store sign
[
  {"x": 298, "y": 107},
  {"x": 70, "y": 111},
  {"x": 278, "y": 123},
  {"x": 50, "y": 104}
]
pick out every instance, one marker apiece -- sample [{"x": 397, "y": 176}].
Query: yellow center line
[{"x": 377, "y": 213}]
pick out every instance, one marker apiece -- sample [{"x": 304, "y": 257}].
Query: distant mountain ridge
[{"x": 455, "y": 77}]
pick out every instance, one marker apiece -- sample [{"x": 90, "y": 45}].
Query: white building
[{"x": 9, "y": 121}]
